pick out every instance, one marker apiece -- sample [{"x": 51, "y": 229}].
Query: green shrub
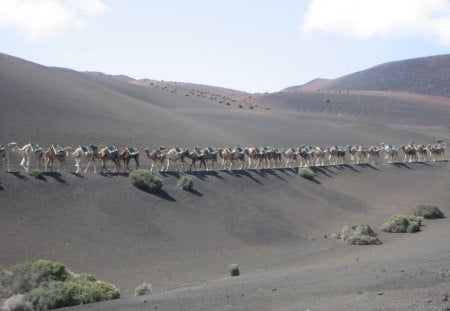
[
  {"x": 50, "y": 285},
  {"x": 21, "y": 278},
  {"x": 145, "y": 180},
  {"x": 185, "y": 183},
  {"x": 402, "y": 224},
  {"x": 306, "y": 173},
  {"x": 359, "y": 235},
  {"x": 143, "y": 289},
  {"x": 36, "y": 174},
  {"x": 78, "y": 290},
  {"x": 428, "y": 211},
  {"x": 234, "y": 270}
]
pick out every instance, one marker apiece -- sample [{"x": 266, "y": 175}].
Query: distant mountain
[
  {"x": 313, "y": 85},
  {"x": 428, "y": 75}
]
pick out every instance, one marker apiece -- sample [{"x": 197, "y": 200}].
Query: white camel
[
  {"x": 27, "y": 152},
  {"x": 86, "y": 153}
]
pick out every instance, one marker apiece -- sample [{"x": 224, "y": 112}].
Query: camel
[
  {"x": 27, "y": 152},
  {"x": 210, "y": 154},
  {"x": 306, "y": 156},
  {"x": 410, "y": 152},
  {"x": 422, "y": 151},
  {"x": 373, "y": 154},
  {"x": 87, "y": 153},
  {"x": 352, "y": 150},
  {"x": 437, "y": 150},
  {"x": 390, "y": 151},
  {"x": 274, "y": 156},
  {"x": 56, "y": 152},
  {"x": 291, "y": 154},
  {"x": 232, "y": 155},
  {"x": 319, "y": 154},
  {"x": 336, "y": 155},
  {"x": 362, "y": 154},
  {"x": 176, "y": 155},
  {"x": 128, "y": 153},
  {"x": 196, "y": 155},
  {"x": 157, "y": 156},
  {"x": 109, "y": 152},
  {"x": 4, "y": 156}
]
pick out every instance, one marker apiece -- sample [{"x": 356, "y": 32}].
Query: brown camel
[
  {"x": 27, "y": 152},
  {"x": 231, "y": 156},
  {"x": 291, "y": 154},
  {"x": 128, "y": 153},
  {"x": 373, "y": 154},
  {"x": 157, "y": 156},
  {"x": 196, "y": 155},
  {"x": 56, "y": 152},
  {"x": 4, "y": 156},
  {"x": 410, "y": 152},
  {"x": 210, "y": 154},
  {"x": 109, "y": 153}
]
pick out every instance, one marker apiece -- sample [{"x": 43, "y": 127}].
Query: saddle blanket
[
  {"x": 132, "y": 151},
  {"x": 85, "y": 150},
  {"x": 211, "y": 149},
  {"x": 112, "y": 148},
  {"x": 179, "y": 150},
  {"x": 198, "y": 152},
  {"x": 57, "y": 149},
  {"x": 35, "y": 147},
  {"x": 159, "y": 152}
]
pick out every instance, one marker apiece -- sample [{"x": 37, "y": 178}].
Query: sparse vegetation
[
  {"x": 185, "y": 183},
  {"x": 36, "y": 174},
  {"x": 143, "y": 289},
  {"x": 402, "y": 224},
  {"x": 306, "y": 173},
  {"x": 234, "y": 270},
  {"x": 357, "y": 234},
  {"x": 428, "y": 211},
  {"x": 145, "y": 180},
  {"x": 46, "y": 285}
]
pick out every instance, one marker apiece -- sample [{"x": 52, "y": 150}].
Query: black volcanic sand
[{"x": 271, "y": 222}]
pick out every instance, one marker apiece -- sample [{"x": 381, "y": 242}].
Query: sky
[{"x": 249, "y": 45}]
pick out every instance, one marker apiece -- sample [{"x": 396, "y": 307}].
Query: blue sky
[{"x": 250, "y": 45}]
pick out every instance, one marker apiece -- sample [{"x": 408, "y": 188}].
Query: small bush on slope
[
  {"x": 359, "y": 235},
  {"x": 185, "y": 183},
  {"x": 402, "y": 224},
  {"x": 428, "y": 211},
  {"x": 145, "y": 180},
  {"x": 306, "y": 173},
  {"x": 143, "y": 289}
]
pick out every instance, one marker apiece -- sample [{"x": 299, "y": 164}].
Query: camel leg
[
  {"x": 7, "y": 162},
  {"x": 87, "y": 166},
  {"x": 77, "y": 165}
]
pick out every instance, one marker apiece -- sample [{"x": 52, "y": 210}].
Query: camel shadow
[
  {"x": 1, "y": 187},
  {"x": 77, "y": 174},
  {"x": 195, "y": 192},
  {"x": 367, "y": 165},
  {"x": 286, "y": 171},
  {"x": 351, "y": 167},
  {"x": 425, "y": 164},
  {"x": 244, "y": 173},
  {"x": 273, "y": 173},
  {"x": 57, "y": 176},
  {"x": 401, "y": 165},
  {"x": 170, "y": 173},
  {"x": 205, "y": 174},
  {"x": 321, "y": 170},
  {"x": 19, "y": 175}
]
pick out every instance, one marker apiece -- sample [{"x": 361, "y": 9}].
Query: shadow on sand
[
  {"x": 401, "y": 165},
  {"x": 55, "y": 175},
  {"x": 195, "y": 192},
  {"x": 77, "y": 175},
  {"x": 163, "y": 195},
  {"x": 1, "y": 187},
  {"x": 19, "y": 175}
]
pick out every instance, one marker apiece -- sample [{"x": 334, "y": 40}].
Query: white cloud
[
  {"x": 367, "y": 18},
  {"x": 38, "y": 19}
]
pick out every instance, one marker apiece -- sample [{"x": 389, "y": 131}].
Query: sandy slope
[{"x": 271, "y": 222}]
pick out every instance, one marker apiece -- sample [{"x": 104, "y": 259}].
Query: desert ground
[{"x": 275, "y": 224}]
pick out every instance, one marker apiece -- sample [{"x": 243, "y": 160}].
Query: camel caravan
[{"x": 210, "y": 158}]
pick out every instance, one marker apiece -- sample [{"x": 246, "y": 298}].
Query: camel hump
[
  {"x": 132, "y": 150},
  {"x": 35, "y": 147}
]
